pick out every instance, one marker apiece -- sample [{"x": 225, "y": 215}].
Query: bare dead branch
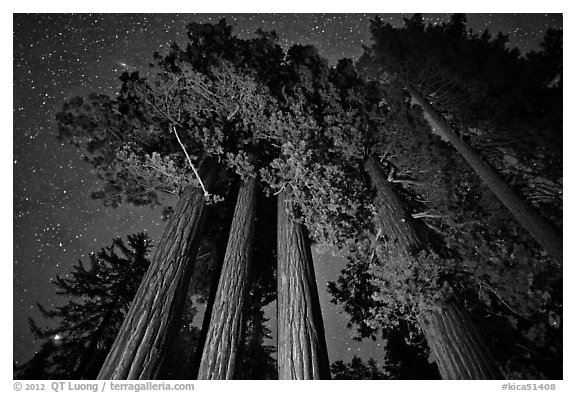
[{"x": 206, "y": 193}]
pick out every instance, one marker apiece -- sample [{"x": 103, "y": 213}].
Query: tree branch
[
  {"x": 426, "y": 215},
  {"x": 206, "y": 193}
]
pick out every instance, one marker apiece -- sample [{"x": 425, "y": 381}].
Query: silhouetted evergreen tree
[
  {"x": 258, "y": 353},
  {"x": 100, "y": 295},
  {"x": 357, "y": 369}
]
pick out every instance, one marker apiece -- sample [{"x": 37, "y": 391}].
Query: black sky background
[{"x": 57, "y": 56}]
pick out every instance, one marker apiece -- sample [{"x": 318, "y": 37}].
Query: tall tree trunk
[
  {"x": 454, "y": 342},
  {"x": 456, "y": 346},
  {"x": 218, "y": 258},
  {"x": 546, "y": 234},
  {"x": 220, "y": 355},
  {"x": 150, "y": 324},
  {"x": 302, "y": 352}
]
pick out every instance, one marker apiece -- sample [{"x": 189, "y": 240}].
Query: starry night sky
[{"x": 57, "y": 57}]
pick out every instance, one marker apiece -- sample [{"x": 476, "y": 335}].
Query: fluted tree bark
[
  {"x": 544, "y": 232},
  {"x": 455, "y": 344},
  {"x": 151, "y": 322},
  {"x": 457, "y": 347},
  {"x": 302, "y": 352},
  {"x": 224, "y": 337}
]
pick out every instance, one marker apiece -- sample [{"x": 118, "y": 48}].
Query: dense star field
[{"x": 57, "y": 57}]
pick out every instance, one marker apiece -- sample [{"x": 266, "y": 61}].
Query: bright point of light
[
  {"x": 57, "y": 337},
  {"x": 123, "y": 64}
]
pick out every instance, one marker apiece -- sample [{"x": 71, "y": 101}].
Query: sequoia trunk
[
  {"x": 456, "y": 346},
  {"x": 302, "y": 352},
  {"x": 220, "y": 355},
  {"x": 150, "y": 324},
  {"x": 541, "y": 230}
]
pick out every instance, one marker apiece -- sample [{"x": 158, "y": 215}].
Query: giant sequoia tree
[
  {"x": 152, "y": 138},
  {"x": 447, "y": 73},
  {"x": 456, "y": 346},
  {"x": 353, "y": 165},
  {"x": 134, "y": 141},
  {"x": 220, "y": 355},
  {"x": 274, "y": 135},
  {"x": 462, "y": 221},
  {"x": 302, "y": 352}
]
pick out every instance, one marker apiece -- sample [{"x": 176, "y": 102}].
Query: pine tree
[
  {"x": 357, "y": 369},
  {"x": 87, "y": 325}
]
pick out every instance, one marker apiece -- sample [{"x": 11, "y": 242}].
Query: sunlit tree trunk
[
  {"x": 302, "y": 352},
  {"x": 546, "y": 234},
  {"x": 151, "y": 322},
  {"x": 457, "y": 348},
  {"x": 221, "y": 350}
]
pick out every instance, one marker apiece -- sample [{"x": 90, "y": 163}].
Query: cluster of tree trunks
[
  {"x": 457, "y": 348},
  {"x": 149, "y": 327}
]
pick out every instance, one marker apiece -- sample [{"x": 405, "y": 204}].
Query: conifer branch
[
  {"x": 206, "y": 194},
  {"x": 524, "y": 316}
]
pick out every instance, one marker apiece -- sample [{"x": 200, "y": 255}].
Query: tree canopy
[{"x": 296, "y": 123}]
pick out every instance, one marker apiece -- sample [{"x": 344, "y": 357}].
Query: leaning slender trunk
[
  {"x": 151, "y": 322},
  {"x": 546, "y": 234},
  {"x": 302, "y": 352},
  {"x": 457, "y": 348},
  {"x": 220, "y": 355}
]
